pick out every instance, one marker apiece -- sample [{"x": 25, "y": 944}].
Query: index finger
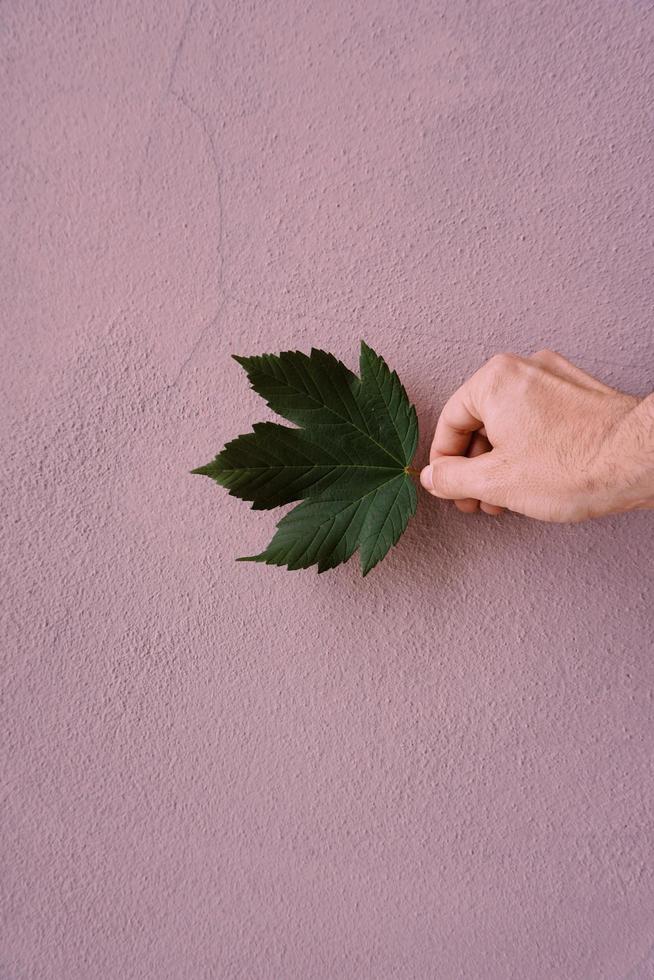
[{"x": 458, "y": 420}]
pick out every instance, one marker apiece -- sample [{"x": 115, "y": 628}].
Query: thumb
[{"x": 458, "y": 477}]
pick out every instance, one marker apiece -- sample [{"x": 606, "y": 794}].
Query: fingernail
[{"x": 425, "y": 478}]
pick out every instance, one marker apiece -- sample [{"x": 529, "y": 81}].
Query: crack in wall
[
  {"x": 201, "y": 120},
  {"x": 170, "y": 79}
]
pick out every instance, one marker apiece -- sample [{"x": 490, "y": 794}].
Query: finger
[
  {"x": 458, "y": 478},
  {"x": 491, "y": 509},
  {"x": 467, "y": 506},
  {"x": 463, "y": 412},
  {"x": 478, "y": 444},
  {"x": 561, "y": 366},
  {"x": 458, "y": 420}
]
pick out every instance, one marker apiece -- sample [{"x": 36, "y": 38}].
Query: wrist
[{"x": 632, "y": 450}]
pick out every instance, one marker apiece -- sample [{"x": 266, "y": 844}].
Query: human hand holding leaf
[{"x": 348, "y": 462}]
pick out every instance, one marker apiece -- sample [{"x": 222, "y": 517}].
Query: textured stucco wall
[{"x": 224, "y": 770}]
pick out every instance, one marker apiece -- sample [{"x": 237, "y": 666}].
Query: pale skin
[{"x": 539, "y": 436}]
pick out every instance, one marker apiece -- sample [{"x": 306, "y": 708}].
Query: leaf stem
[{"x": 411, "y": 471}]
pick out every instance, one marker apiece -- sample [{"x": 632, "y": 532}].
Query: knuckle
[
  {"x": 500, "y": 369},
  {"x": 502, "y": 366},
  {"x": 502, "y": 363},
  {"x": 547, "y": 356},
  {"x": 439, "y": 477}
]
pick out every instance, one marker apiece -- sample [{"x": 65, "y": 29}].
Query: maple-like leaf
[{"x": 348, "y": 462}]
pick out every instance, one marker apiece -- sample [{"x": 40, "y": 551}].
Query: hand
[{"x": 543, "y": 438}]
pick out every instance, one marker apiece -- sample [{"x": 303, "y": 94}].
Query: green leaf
[{"x": 347, "y": 462}]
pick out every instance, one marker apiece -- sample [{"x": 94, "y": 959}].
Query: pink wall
[{"x": 223, "y": 770}]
